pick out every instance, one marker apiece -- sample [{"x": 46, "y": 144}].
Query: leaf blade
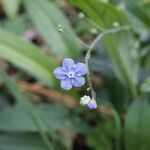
[
  {"x": 26, "y": 56},
  {"x": 43, "y": 18},
  {"x": 137, "y": 126},
  {"x": 11, "y": 7}
]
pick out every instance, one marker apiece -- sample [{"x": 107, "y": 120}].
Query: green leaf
[
  {"x": 146, "y": 6},
  {"x": 101, "y": 141},
  {"x": 103, "y": 67},
  {"x": 120, "y": 45},
  {"x": 55, "y": 117},
  {"x": 16, "y": 120},
  {"x": 60, "y": 118},
  {"x": 27, "y": 57},
  {"x": 3, "y": 102},
  {"x": 139, "y": 18},
  {"x": 138, "y": 26},
  {"x": 100, "y": 136},
  {"x": 94, "y": 10},
  {"x": 137, "y": 10},
  {"x": 37, "y": 118},
  {"x": 17, "y": 24},
  {"x": 145, "y": 87},
  {"x": 117, "y": 120},
  {"x": 27, "y": 106},
  {"x": 21, "y": 141},
  {"x": 137, "y": 126},
  {"x": 46, "y": 17},
  {"x": 11, "y": 7}
]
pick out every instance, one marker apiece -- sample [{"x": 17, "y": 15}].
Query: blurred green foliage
[{"x": 30, "y": 49}]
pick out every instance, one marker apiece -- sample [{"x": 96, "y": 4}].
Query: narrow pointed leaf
[
  {"x": 26, "y": 56},
  {"x": 46, "y": 17}
]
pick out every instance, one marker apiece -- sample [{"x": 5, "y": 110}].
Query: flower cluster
[{"x": 86, "y": 100}]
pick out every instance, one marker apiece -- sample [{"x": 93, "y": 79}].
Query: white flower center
[{"x": 70, "y": 74}]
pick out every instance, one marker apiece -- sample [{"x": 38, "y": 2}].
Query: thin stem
[{"x": 89, "y": 51}]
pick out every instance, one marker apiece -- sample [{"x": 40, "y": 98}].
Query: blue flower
[{"x": 71, "y": 74}]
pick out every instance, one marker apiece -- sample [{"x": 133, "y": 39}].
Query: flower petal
[
  {"x": 66, "y": 84},
  {"x": 78, "y": 81},
  {"x": 80, "y": 69},
  {"x": 60, "y": 73},
  {"x": 92, "y": 104},
  {"x": 68, "y": 64}
]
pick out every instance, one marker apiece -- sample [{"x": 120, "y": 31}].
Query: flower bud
[
  {"x": 92, "y": 104},
  {"x": 84, "y": 100},
  {"x": 81, "y": 15},
  {"x": 60, "y": 28},
  {"x": 94, "y": 31},
  {"x": 116, "y": 24}
]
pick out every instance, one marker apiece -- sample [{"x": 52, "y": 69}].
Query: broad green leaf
[
  {"x": 103, "y": 67},
  {"x": 137, "y": 10},
  {"x": 3, "y": 101},
  {"x": 25, "y": 103},
  {"x": 120, "y": 45},
  {"x": 40, "y": 124},
  {"x": 46, "y": 17},
  {"x": 55, "y": 117},
  {"x": 145, "y": 87},
  {"x": 137, "y": 126},
  {"x": 98, "y": 141},
  {"x": 145, "y": 60},
  {"x": 92, "y": 9},
  {"x": 15, "y": 120},
  {"x": 117, "y": 121},
  {"x": 60, "y": 118},
  {"x": 138, "y": 26},
  {"x": 146, "y": 7},
  {"x": 100, "y": 136},
  {"x": 26, "y": 56},
  {"x": 143, "y": 1},
  {"x": 138, "y": 17},
  {"x": 17, "y": 24},
  {"x": 21, "y": 141},
  {"x": 11, "y": 7}
]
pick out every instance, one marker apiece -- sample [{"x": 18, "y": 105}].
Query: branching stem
[{"x": 92, "y": 46}]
